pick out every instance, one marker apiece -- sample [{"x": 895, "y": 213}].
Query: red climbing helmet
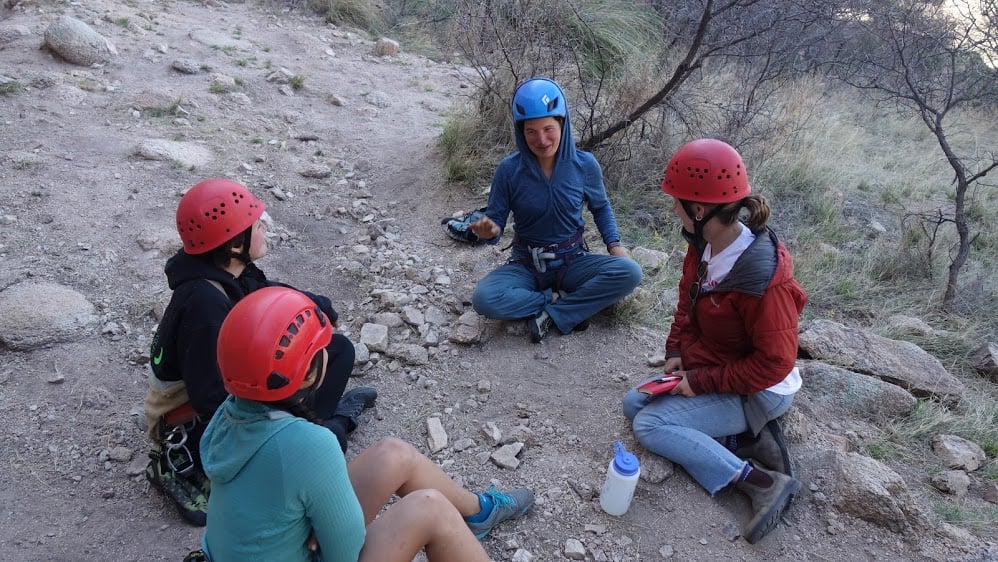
[
  {"x": 267, "y": 342},
  {"x": 213, "y": 212},
  {"x": 706, "y": 171}
]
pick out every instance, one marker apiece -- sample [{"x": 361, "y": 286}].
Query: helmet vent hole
[
  {"x": 285, "y": 341},
  {"x": 276, "y": 380}
]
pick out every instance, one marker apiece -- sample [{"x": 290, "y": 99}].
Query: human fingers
[{"x": 484, "y": 228}]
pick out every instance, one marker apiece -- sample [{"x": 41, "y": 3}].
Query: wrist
[{"x": 612, "y": 245}]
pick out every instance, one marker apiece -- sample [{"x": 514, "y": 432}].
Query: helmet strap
[
  {"x": 244, "y": 254},
  {"x": 696, "y": 238}
]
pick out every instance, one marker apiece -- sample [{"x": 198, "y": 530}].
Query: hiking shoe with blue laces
[{"x": 506, "y": 505}]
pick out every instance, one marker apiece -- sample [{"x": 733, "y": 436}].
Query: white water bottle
[{"x": 621, "y": 479}]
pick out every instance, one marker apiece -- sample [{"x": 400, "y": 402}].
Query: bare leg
[
  {"x": 421, "y": 518},
  {"x": 392, "y": 466}
]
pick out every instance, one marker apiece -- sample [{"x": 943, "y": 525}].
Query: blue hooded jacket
[
  {"x": 550, "y": 211},
  {"x": 274, "y": 479}
]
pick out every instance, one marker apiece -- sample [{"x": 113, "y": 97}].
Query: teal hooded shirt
[{"x": 274, "y": 479}]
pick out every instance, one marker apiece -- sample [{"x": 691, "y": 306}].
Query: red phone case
[{"x": 660, "y": 385}]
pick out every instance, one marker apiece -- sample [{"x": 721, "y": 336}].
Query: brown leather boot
[
  {"x": 768, "y": 448},
  {"x": 767, "y": 502}
]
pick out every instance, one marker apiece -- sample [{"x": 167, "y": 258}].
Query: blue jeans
[
  {"x": 593, "y": 282},
  {"x": 683, "y": 430}
]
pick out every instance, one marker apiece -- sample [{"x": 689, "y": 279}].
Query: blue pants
[
  {"x": 683, "y": 430},
  {"x": 593, "y": 282}
]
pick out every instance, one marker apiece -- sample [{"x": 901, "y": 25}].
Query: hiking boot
[
  {"x": 768, "y": 448},
  {"x": 355, "y": 401},
  {"x": 768, "y": 502},
  {"x": 190, "y": 499},
  {"x": 540, "y": 326},
  {"x": 509, "y": 505}
]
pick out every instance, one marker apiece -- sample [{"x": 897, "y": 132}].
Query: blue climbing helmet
[{"x": 538, "y": 97}]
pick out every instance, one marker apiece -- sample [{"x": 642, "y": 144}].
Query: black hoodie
[{"x": 184, "y": 347}]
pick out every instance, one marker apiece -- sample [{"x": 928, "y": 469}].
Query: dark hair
[
  {"x": 295, "y": 404},
  {"x": 758, "y": 211},
  {"x": 222, "y": 255}
]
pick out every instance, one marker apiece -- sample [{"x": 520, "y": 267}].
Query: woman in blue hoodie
[
  {"x": 551, "y": 277},
  {"x": 281, "y": 487}
]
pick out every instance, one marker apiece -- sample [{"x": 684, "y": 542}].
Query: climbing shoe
[
  {"x": 355, "y": 401},
  {"x": 768, "y": 502},
  {"x": 191, "y": 499},
  {"x": 508, "y": 505},
  {"x": 459, "y": 229},
  {"x": 540, "y": 326}
]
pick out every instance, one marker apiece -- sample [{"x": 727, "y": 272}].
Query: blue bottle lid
[{"x": 624, "y": 462}]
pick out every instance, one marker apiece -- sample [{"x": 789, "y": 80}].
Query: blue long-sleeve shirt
[{"x": 550, "y": 211}]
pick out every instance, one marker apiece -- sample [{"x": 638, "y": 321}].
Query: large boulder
[
  {"x": 985, "y": 361},
  {"x": 34, "y": 315},
  {"x": 854, "y": 394},
  {"x": 897, "y": 362},
  {"x": 870, "y": 490},
  {"x": 77, "y": 42}
]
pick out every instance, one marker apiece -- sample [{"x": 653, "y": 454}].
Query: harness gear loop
[
  {"x": 539, "y": 254},
  {"x": 541, "y": 258},
  {"x": 176, "y": 446}
]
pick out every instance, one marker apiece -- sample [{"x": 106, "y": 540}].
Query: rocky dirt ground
[{"x": 341, "y": 147}]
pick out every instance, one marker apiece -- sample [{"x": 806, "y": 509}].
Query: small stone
[
  {"x": 522, "y": 555},
  {"x": 505, "y": 457},
  {"x": 574, "y": 549},
  {"x": 436, "y": 438},
  {"x": 120, "y": 454},
  {"x": 491, "y": 433}
]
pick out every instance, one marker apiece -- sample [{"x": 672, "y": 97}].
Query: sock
[
  {"x": 485, "y": 504},
  {"x": 755, "y": 477},
  {"x": 731, "y": 443}
]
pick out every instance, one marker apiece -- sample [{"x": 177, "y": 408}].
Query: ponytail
[{"x": 758, "y": 212}]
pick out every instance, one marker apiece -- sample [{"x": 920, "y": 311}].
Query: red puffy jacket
[{"x": 743, "y": 337}]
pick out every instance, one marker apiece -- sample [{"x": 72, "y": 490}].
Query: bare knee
[
  {"x": 395, "y": 451},
  {"x": 431, "y": 506}
]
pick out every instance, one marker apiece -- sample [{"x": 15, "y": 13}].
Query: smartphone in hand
[{"x": 660, "y": 385}]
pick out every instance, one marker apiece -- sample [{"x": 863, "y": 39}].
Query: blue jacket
[
  {"x": 550, "y": 211},
  {"x": 274, "y": 479}
]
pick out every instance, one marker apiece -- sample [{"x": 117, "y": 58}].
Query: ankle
[
  {"x": 755, "y": 477},
  {"x": 485, "y": 505}
]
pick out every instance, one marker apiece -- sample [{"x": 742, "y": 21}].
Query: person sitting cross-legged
[{"x": 282, "y": 489}]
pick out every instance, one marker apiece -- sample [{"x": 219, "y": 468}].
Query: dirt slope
[{"x": 81, "y": 208}]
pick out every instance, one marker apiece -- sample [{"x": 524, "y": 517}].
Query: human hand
[
  {"x": 484, "y": 228},
  {"x": 683, "y": 387},
  {"x": 673, "y": 364},
  {"x": 620, "y": 251}
]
